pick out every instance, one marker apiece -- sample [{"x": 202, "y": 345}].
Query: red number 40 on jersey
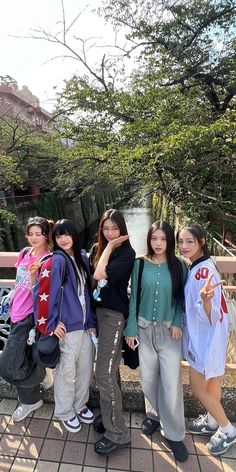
[{"x": 202, "y": 273}]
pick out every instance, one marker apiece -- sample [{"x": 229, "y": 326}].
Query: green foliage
[
  {"x": 27, "y": 156},
  {"x": 9, "y": 175},
  {"x": 86, "y": 204},
  {"x": 50, "y": 206},
  {"x": 169, "y": 126},
  {"x": 8, "y": 224}
]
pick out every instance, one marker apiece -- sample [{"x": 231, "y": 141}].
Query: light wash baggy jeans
[
  {"x": 73, "y": 374},
  {"x": 160, "y": 357},
  {"x": 110, "y": 339}
]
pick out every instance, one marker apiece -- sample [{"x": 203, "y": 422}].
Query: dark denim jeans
[{"x": 16, "y": 364}]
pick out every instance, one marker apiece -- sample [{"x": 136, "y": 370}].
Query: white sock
[
  {"x": 229, "y": 429},
  {"x": 211, "y": 421}
]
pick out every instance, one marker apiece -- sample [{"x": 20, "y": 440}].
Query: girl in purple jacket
[{"x": 73, "y": 323}]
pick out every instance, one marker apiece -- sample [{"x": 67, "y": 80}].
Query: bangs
[{"x": 61, "y": 228}]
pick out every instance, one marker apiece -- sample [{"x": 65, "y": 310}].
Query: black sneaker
[
  {"x": 179, "y": 450},
  {"x": 98, "y": 425},
  {"x": 149, "y": 426}
]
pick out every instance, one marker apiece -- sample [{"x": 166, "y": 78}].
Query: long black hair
[
  {"x": 199, "y": 234},
  {"x": 67, "y": 227},
  {"x": 175, "y": 266}
]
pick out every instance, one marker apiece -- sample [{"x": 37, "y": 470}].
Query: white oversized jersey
[{"x": 205, "y": 342}]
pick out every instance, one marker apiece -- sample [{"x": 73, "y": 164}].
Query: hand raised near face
[{"x": 114, "y": 243}]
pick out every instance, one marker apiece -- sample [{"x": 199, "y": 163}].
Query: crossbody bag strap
[{"x": 140, "y": 272}]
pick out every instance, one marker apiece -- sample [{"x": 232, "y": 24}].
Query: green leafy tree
[
  {"x": 168, "y": 126},
  {"x": 28, "y": 155}
]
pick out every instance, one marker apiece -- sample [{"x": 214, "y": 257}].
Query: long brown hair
[{"x": 117, "y": 218}]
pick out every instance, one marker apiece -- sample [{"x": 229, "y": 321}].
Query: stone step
[{"x": 133, "y": 397}]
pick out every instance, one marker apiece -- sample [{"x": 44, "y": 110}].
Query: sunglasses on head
[{"x": 36, "y": 219}]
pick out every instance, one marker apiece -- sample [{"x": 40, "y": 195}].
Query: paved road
[{"x": 39, "y": 444}]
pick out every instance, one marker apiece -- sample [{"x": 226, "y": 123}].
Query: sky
[{"x": 28, "y": 61}]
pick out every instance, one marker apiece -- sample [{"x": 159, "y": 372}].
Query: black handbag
[
  {"x": 131, "y": 357},
  {"x": 46, "y": 350}
]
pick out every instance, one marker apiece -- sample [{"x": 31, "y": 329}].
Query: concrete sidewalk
[{"x": 40, "y": 444}]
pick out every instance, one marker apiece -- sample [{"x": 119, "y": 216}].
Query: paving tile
[
  {"x": 93, "y": 459},
  {"x": 4, "y": 420},
  {"x": 5, "y": 463},
  {"x": 52, "y": 450},
  {"x": 43, "y": 466},
  {"x": 30, "y": 447},
  {"x": 56, "y": 430},
  {"x": 138, "y": 439},
  {"x": 71, "y": 468},
  {"x": 81, "y": 436},
  {"x": 200, "y": 444},
  {"x": 7, "y": 406},
  {"x": 141, "y": 460},
  {"x": 229, "y": 465},
  {"x": 231, "y": 453},
  {"x": 74, "y": 452},
  {"x": 121, "y": 460},
  {"x": 127, "y": 416},
  {"x": 164, "y": 462},
  {"x": 23, "y": 465},
  {"x": 190, "y": 465},
  {"x": 137, "y": 419},
  {"x": 210, "y": 464},
  {"x": 18, "y": 427},
  {"x": 37, "y": 427},
  {"x": 189, "y": 443},
  {"x": 110, "y": 470},
  {"x": 46, "y": 411},
  {"x": 9, "y": 444},
  {"x": 158, "y": 442},
  {"x": 92, "y": 469}
]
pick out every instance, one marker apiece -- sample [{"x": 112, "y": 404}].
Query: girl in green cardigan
[{"x": 158, "y": 326}]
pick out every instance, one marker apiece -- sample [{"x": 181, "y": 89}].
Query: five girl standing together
[{"x": 172, "y": 301}]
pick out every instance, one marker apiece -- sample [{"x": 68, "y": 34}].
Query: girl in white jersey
[{"x": 205, "y": 338}]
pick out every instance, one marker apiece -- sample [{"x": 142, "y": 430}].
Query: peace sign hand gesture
[{"x": 207, "y": 292}]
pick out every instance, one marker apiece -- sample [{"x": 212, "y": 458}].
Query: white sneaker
[
  {"x": 24, "y": 410},
  {"x": 48, "y": 379},
  {"x": 86, "y": 416},
  {"x": 72, "y": 425}
]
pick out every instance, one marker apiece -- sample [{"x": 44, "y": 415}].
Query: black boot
[{"x": 179, "y": 450}]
